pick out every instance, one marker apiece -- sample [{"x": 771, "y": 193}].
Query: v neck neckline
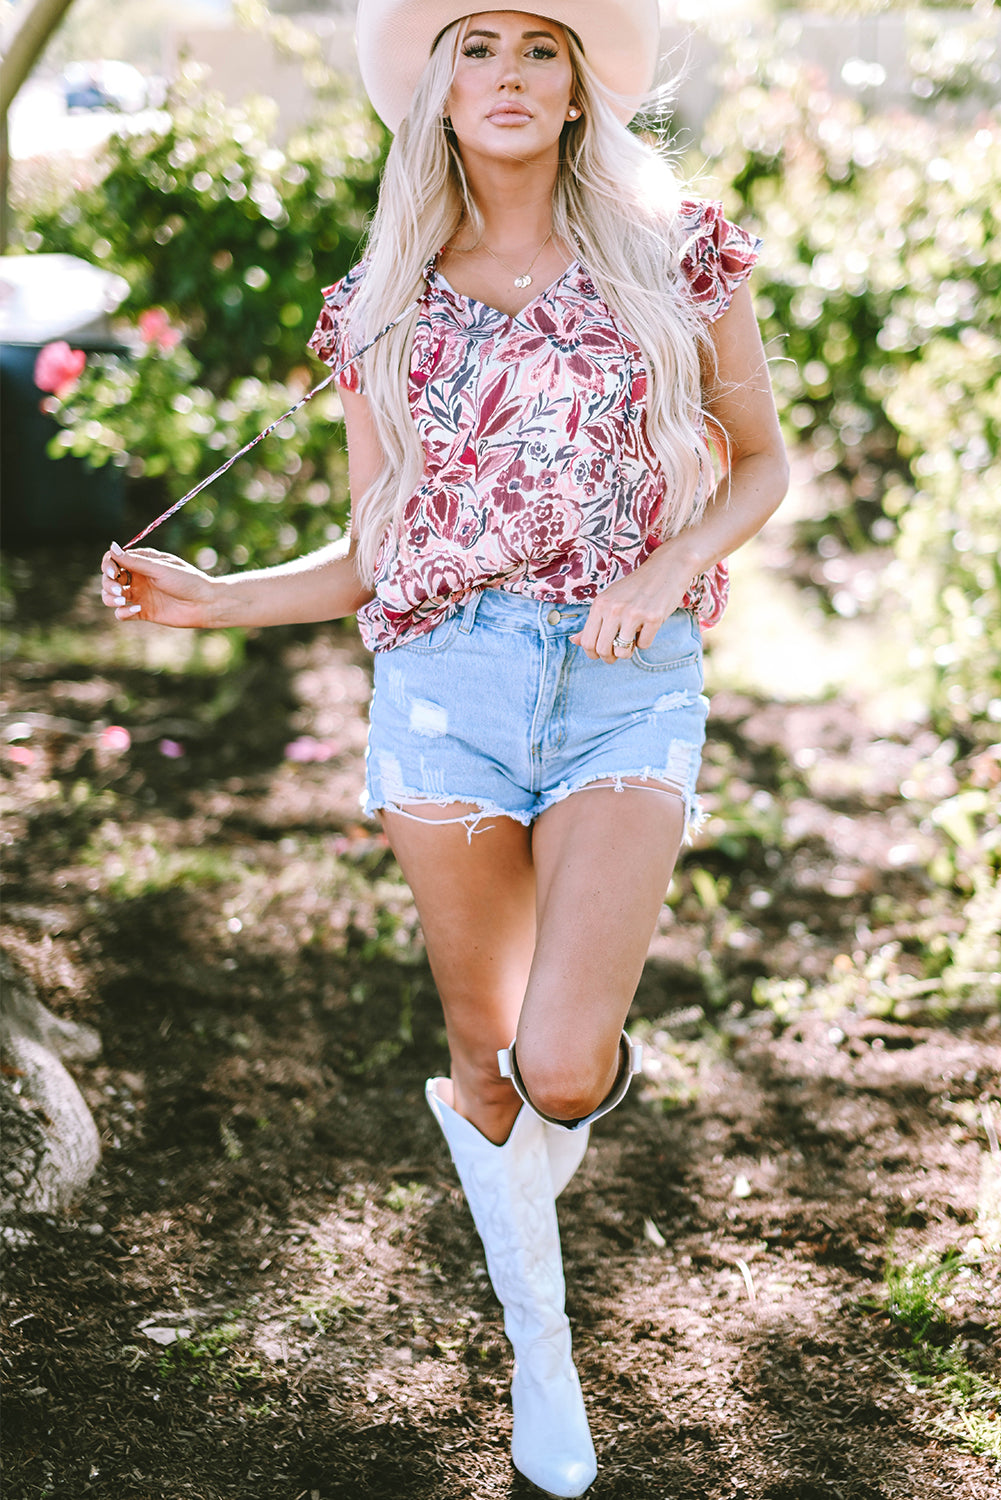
[{"x": 498, "y": 311}]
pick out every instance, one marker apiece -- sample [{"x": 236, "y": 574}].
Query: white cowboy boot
[
  {"x": 510, "y": 1194},
  {"x": 565, "y": 1150}
]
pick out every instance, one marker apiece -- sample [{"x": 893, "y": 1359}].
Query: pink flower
[
  {"x": 306, "y": 748},
  {"x": 115, "y": 737},
  {"x": 155, "y": 328},
  {"x": 58, "y": 368},
  {"x": 171, "y": 749}
]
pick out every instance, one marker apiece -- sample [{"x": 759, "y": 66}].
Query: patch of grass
[
  {"x": 386, "y": 1049},
  {"x": 330, "y": 1309},
  {"x": 711, "y": 893},
  {"x": 674, "y": 1069},
  {"x": 135, "y": 864},
  {"x": 404, "y": 1197},
  {"x": 231, "y": 1143},
  {"x": 918, "y": 1294},
  {"x": 915, "y": 1290},
  {"x": 741, "y": 826},
  {"x": 211, "y": 1359},
  {"x": 392, "y": 935},
  {"x": 960, "y": 974}
]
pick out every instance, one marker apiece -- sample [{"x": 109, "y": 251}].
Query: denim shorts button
[{"x": 553, "y": 617}]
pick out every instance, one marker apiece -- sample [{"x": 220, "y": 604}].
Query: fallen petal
[
  {"x": 653, "y": 1234},
  {"x": 115, "y": 737},
  {"x": 162, "y": 1336}
]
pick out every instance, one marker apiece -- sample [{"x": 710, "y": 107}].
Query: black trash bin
[{"x": 44, "y": 298}]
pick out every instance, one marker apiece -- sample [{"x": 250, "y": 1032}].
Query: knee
[{"x": 564, "y": 1087}]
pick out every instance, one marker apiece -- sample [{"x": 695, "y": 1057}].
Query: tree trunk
[
  {"x": 22, "y": 52},
  {"x": 51, "y": 1145}
]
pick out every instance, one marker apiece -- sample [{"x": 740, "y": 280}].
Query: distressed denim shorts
[{"x": 497, "y": 708}]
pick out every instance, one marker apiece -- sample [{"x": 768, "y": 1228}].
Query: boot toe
[{"x": 563, "y": 1481}]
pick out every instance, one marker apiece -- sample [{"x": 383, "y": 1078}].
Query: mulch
[{"x": 272, "y": 1289}]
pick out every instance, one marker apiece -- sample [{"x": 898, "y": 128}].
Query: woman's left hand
[{"x": 630, "y": 611}]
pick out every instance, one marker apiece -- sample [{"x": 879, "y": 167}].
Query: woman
[{"x": 550, "y": 459}]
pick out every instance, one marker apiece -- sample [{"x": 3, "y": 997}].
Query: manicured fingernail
[
  {"x": 116, "y": 549},
  {"x": 133, "y": 609}
]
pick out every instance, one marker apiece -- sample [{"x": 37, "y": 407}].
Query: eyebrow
[{"x": 525, "y": 35}]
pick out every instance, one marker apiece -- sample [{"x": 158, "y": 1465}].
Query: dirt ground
[{"x": 273, "y": 1290}]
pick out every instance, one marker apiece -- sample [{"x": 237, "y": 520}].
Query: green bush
[
  {"x": 880, "y": 298},
  {"x": 148, "y": 414},
  {"x": 233, "y": 239}
]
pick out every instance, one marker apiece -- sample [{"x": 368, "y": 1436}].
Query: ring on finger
[{"x": 622, "y": 643}]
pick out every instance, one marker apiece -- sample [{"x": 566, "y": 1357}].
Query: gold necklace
[{"x": 525, "y": 279}]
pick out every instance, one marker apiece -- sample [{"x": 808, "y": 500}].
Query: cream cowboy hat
[{"x": 395, "y": 37}]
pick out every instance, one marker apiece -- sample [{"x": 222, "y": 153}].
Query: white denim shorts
[{"x": 498, "y": 709}]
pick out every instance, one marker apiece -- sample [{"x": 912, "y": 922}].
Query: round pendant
[{"x": 522, "y": 281}]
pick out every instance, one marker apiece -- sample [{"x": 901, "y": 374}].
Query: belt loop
[{"x": 469, "y": 609}]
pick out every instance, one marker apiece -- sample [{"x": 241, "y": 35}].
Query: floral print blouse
[{"x": 539, "y": 478}]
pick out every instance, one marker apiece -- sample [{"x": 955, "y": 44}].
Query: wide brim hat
[{"x": 620, "y": 39}]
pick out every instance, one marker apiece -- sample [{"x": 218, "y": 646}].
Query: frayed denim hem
[
  {"x": 473, "y": 822},
  {"x": 622, "y": 781}
]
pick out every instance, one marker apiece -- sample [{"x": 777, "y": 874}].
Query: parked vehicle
[{"x": 104, "y": 85}]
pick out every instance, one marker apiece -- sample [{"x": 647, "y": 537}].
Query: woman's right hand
[{"x": 155, "y": 586}]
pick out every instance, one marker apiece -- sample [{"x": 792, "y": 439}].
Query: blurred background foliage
[
  {"x": 234, "y": 238},
  {"x": 879, "y": 293},
  {"x": 880, "y": 300}
]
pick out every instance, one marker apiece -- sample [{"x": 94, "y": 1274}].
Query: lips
[{"x": 509, "y": 114}]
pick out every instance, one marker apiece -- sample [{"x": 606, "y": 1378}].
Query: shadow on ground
[{"x": 273, "y": 1290}]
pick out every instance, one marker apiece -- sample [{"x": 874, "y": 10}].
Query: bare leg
[
  {"x": 542, "y": 933},
  {"x": 476, "y": 900},
  {"x": 603, "y": 861}
]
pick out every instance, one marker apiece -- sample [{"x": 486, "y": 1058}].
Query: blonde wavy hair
[{"x": 616, "y": 200}]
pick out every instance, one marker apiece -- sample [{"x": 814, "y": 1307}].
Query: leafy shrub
[
  {"x": 880, "y": 297},
  {"x": 149, "y": 414},
  {"x": 233, "y": 239},
  {"x": 947, "y": 409}
]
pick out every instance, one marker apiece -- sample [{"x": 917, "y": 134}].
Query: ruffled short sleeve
[
  {"x": 331, "y": 340},
  {"x": 716, "y": 256}
]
